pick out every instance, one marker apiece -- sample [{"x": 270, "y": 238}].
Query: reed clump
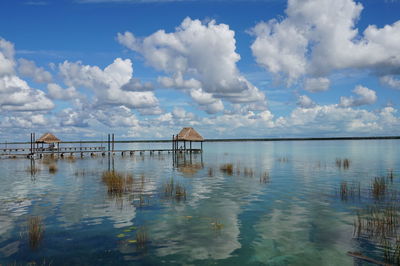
[
  {"x": 210, "y": 172},
  {"x": 248, "y": 172},
  {"x": 35, "y": 231},
  {"x": 379, "y": 187},
  {"x": 141, "y": 239},
  {"x": 264, "y": 178},
  {"x": 227, "y": 168},
  {"x": 345, "y": 163},
  {"x": 390, "y": 174},
  {"x": 283, "y": 159},
  {"x": 49, "y": 159},
  {"x": 117, "y": 183},
  {"x": 174, "y": 191},
  {"x": 349, "y": 191},
  {"x": 53, "y": 168},
  {"x": 71, "y": 158}
]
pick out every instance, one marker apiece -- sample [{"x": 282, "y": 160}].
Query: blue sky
[{"x": 144, "y": 69}]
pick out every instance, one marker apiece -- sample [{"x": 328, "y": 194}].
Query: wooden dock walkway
[{"x": 77, "y": 151}]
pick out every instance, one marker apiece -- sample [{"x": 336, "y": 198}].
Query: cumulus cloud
[
  {"x": 110, "y": 84},
  {"x": 118, "y": 116},
  {"x": 58, "y": 93},
  {"x": 7, "y": 62},
  {"x": 15, "y": 93},
  {"x": 305, "y": 102},
  {"x": 390, "y": 81},
  {"x": 29, "y": 69},
  {"x": 320, "y": 36},
  {"x": 316, "y": 84},
  {"x": 198, "y": 57},
  {"x": 365, "y": 96}
]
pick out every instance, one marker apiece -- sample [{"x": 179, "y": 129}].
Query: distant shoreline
[{"x": 225, "y": 140}]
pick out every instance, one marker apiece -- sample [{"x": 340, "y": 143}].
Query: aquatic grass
[
  {"x": 248, "y": 172},
  {"x": 351, "y": 191},
  {"x": 227, "y": 168},
  {"x": 390, "y": 174},
  {"x": 345, "y": 163},
  {"x": 379, "y": 187},
  {"x": 117, "y": 183},
  {"x": 378, "y": 222},
  {"x": 174, "y": 191},
  {"x": 264, "y": 178},
  {"x": 210, "y": 172},
  {"x": 35, "y": 231},
  {"x": 53, "y": 168},
  {"x": 49, "y": 159},
  {"x": 71, "y": 158},
  {"x": 217, "y": 225},
  {"x": 142, "y": 239},
  {"x": 283, "y": 159}
]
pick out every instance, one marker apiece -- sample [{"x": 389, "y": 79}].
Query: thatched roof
[
  {"x": 189, "y": 134},
  {"x": 48, "y": 138}
]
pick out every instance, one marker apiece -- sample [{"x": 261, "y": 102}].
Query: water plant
[
  {"x": 210, "y": 172},
  {"x": 217, "y": 225},
  {"x": 71, "y": 158},
  {"x": 35, "y": 231},
  {"x": 117, "y": 183},
  {"x": 248, "y": 172},
  {"x": 227, "y": 168},
  {"x": 351, "y": 191},
  {"x": 141, "y": 239},
  {"x": 264, "y": 178},
  {"x": 175, "y": 191},
  {"x": 53, "y": 168},
  {"x": 379, "y": 187},
  {"x": 345, "y": 163}
]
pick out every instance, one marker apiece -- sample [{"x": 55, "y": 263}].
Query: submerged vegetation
[
  {"x": 343, "y": 163},
  {"x": 35, "y": 231},
  {"x": 117, "y": 183},
  {"x": 174, "y": 190}
]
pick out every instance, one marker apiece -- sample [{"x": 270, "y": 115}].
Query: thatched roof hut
[
  {"x": 189, "y": 134},
  {"x": 48, "y": 138}
]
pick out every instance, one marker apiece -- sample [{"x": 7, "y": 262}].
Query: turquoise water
[{"x": 293, "y": 215}]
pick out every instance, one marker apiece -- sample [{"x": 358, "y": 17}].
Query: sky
[{"x": 143, "y": 69}]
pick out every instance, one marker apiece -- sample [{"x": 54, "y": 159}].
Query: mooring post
[
  {"x": 113, "y": 142},
  {"x": 108, "y": 144},
  {"x": 172, "y": 142}
]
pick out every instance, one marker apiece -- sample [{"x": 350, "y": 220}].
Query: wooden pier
[{"x": 35, "y": 151}]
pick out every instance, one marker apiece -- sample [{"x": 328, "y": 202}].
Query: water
[{"x": 294, "y": 217}]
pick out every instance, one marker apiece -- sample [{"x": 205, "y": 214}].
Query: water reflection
[{"x": 292, "y": 216}]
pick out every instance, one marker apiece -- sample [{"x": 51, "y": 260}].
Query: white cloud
[
  {"x": 316, "y": 84},
  {"x": 7, "y": 62},
  {"x": 15, "y": 93},
  {"x": 119, "y": 116},
  {"x": 58, "y": 93},
  {"x": 391, "y": 81},
  {"x": 198, "y": 56},
  {"x": 305, "y": 102},
  {"x": 108, "y": 84},
  {"x": 365, "y": 96},
  {"x": 29, "y": 69},
  {"x": 320, "y": 36}
]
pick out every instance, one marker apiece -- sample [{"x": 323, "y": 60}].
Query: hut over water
[
  {"x": 48, "y": 138},
  {"x": 187, "y": 134}
]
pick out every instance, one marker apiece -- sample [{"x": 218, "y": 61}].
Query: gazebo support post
[{"x": 190, "y": 146}]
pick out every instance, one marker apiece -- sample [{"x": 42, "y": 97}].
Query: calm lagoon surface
[{"x": 283, "y": 203}]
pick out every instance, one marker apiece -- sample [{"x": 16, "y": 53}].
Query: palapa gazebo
[
  {"x": 49, "y": 139},
  {"x": 187, "y": 134}
]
